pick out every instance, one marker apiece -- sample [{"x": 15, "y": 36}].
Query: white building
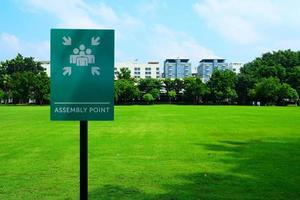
[
  {"x": 139, "y": 70},
  {"x": 46, "y": 66},
  {"x": 235, "y": 66}
]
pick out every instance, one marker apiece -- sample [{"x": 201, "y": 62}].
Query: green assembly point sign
[{"x": 82, "y": 74}]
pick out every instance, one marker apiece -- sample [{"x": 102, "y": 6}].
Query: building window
[
  {"x": 147, "y": 72},
  {"x": 147, "y": 76},
  {"x": 157, "y": 68},
  {"x": 136, "y": 76},
  {"x": 137, "y": 68},
  {"x": 137, "y": 72},
  {"x": 148, "y": 68},
  {"x": 157, "y": 76},
  {"x": 157, "y": 72}
]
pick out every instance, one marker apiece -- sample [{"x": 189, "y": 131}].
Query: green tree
[
  {"x": 283, "y": 65},
  {"x": 178, "y": 86},
  {"x": 155, "y": 93},
  {"x": 20, "y": 79},
  {"x": 125, "y": 87},
  {"x": 148, "y": 98},
  {"x": 194, "y": 89},
  {"x": 171, "y": 95},
  {"x": 125, "y": 91},
  {"x": 22, "y": 64},
  {"x": 266, "y": 90},
  {"x": 243, "y": 86},
  {"x": 6, "y": 85},
  {"x": 41, "y": 88},
  {"x": 273, "y": 64},
  {"x": 22, "y": 87},
  {"x": 151, "y": 86},
  {"x": 266, "y": 71},
  {"x": 293, "y": 78},
  {"x": 1, "y": 95},
  {"x": 221, "y": 86},
  {"x": 286, "y": 94},
  {"x": 169, "y": 84},
  {"x": 124, "y": 74}
]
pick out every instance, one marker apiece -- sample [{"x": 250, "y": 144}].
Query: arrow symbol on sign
[
  {"x": 67, "y": 71},
  {"x": 67, "y": 41},
  {"x": 95, "y": 71},
  {"x": 95, "y": 41}
]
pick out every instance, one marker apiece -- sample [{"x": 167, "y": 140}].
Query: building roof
[
  {"x": 212, "y": 59},
  {"x": 44, "y": 61},
  {"x": 153, "y": 63},
  {"x": 174, "y": 59}
]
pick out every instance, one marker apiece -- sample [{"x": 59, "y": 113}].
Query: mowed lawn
[{"x": 154, "y": 152}]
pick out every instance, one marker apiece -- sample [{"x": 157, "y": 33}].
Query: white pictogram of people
[{"x": 82, "y": 56}]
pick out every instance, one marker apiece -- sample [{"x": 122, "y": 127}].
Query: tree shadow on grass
[
  {"x": 260, "y": 170},
  {"x": 115, "y": 192}
]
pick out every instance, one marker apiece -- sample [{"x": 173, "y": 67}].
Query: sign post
[
  {"x": 82, "y": 83},
  {"x": 83, "y": 160}
]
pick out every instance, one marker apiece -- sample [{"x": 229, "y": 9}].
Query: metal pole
[{"x": 83, "y": 160}]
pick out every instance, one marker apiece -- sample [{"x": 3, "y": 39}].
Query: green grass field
[{"x": 154, "y": 152}]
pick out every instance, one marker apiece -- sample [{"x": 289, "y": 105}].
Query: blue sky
[{"x": 150, "y": 30}]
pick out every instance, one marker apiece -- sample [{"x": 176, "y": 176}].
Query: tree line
[
  {"x": 22, "y": 79},
  {"x": 272, "y": 79}
]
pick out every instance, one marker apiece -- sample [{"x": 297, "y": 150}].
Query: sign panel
[{"x": 82, "y": 74}]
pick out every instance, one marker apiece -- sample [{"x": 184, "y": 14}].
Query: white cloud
[
  {"x": 166, "y": 43},
  {"x": 133, "y": 38},
  {"x": 150, "y": 6},
  {"x": 80, "y": 14},
  {"x": 250, "y": 21},
  {"x": 11, "y": 45},
  {"x": 41, "y": 50},
  {"x": 293, "y": 44},
  {"x": 71, "y": 13}
]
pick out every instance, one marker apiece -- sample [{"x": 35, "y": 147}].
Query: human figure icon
[
  {"x": 91, "y": 58},
  {"x": 82, "y": 59},
  {"x": 82, "y": 48},
  {"x": 74, "y": 56},
  {"x": 82, "y": 56}
]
